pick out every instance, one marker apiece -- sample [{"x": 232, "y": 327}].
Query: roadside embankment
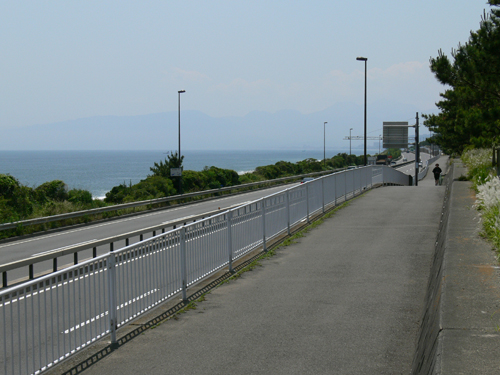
[{"x": 460, "y": 329}]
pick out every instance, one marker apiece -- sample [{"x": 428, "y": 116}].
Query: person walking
[{"x": 437, "y": 172}]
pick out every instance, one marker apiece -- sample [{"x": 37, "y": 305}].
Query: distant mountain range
[{"x": 287, "y": 129}]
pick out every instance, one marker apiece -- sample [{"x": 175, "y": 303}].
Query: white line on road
[
  {"x": 104, "y": 224},
  {"x": 63, "y": 248}
]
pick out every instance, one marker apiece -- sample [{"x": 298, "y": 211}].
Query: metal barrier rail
[
  {"x": 75, "y": 250},
  {"x": 94, "y": 211},
  {"x": 48, "y": 319}
]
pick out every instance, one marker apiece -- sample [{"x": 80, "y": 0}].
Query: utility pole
[{"x": 180, "y": 166}]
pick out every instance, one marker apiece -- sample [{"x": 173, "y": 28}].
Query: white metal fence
[{"x": 48, "y": 319}]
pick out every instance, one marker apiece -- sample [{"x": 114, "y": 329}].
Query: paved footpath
[{"x": 345, "y": 299}]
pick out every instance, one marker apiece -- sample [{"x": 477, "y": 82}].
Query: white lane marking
[
  {"x": 63, "y": 248},
  {"x": 110, "y": 223}
]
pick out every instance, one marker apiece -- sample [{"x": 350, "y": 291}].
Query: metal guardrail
[
  {"x": 48, "y": 319},
  {"x": 94, "y": 211}
]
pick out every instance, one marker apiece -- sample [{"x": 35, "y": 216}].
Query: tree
[
  {"x": 8, "y": 185},
  {"x": 470, "y": 109},
  {"x": 163, "y": 169},
  {"x": 56, "y": 190}
]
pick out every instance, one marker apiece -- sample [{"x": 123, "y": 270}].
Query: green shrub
[
  {"x": 56, "y": 190},
  {"x": 80, "y": 196},
  {"x": 8, "y": 185}
]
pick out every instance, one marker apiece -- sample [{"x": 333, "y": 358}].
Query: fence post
[
  {"x": 264, "y": 224},
  {"x": 307, "y": 202},
  {"x": 345, "y": 185},
  {"x": 230, "y": 241},
  {"x": 335, "y": 189},
  {"x": 111, "y": 262},
  {"x": 183, "y": 263},
  {"x": 353, "y": 183},
  {"x": 323, "y": 192},
  {"x": 287, "y": 197}
]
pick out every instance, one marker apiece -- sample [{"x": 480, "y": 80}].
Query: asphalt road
[
  {"x": 410, "y": 168},
  {"x": 29, "y": 247}
]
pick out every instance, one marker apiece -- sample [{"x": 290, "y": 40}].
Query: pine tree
[{"x": 470, "y": 109}]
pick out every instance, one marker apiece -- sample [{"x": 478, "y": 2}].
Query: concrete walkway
[{"x": 345, "y": 299}]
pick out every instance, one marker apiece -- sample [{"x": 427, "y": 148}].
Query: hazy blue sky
[{"x": 64, "y": 60}]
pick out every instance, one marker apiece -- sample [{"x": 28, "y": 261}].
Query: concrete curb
[{"x": 459, "y": 333}]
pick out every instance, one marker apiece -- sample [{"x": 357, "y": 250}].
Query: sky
[{"x": 66, "y": 60}]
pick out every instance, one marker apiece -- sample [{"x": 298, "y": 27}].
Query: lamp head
[
  {"x": 181, "y": 91},
  {"x": 361, "y": 58}
]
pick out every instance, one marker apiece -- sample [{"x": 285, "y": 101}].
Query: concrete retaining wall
[{"x": 459, "y": 331}]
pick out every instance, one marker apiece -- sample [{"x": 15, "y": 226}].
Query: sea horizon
[{"x": 98, "y": 171}]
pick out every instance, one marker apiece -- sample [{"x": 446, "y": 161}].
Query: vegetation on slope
[{"x": 487, "y": 187}]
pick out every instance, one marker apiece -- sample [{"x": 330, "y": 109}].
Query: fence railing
[
  {"x": 50, "y": 318},
  {"x": 36, "y": 265}
]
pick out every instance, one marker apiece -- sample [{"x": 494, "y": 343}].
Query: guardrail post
[
  {"x": 54, "y": 264},
  {"x": 111, "y": 262},
  {"x": 287, "y": 198},
  {"x": 4, "y": 279},
  {"x": 264, "y": 245},
  {"x": 307, "y": 202},
  {"x": 230, "y": 241},
  {"x": 183, "y": 263},
  {"x": 31, "y": 273}
]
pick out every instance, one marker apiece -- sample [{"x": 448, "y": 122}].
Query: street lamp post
[
  {"x": 365, "y": 59},
  {"x": 379, "y": 138},
  {"x": 180, "y": 177},
  {"x": 324, "y": 143},
  {"x": 350, "y": 139}
]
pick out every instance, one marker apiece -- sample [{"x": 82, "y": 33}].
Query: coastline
[{"x": 99, "y": 171}]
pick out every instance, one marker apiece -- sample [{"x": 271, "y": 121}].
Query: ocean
[{"x": 99, "y": 171}]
